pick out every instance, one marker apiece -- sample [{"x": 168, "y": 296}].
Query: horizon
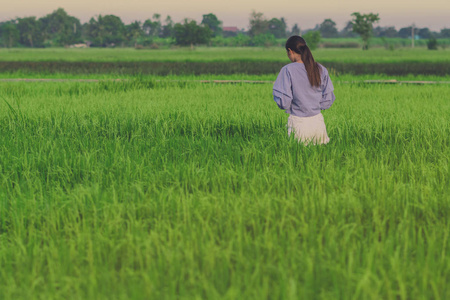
[{"x": 397, "y": 15}]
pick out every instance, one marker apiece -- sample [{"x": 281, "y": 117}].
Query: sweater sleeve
[
  {"x": 282, "y": 90},
  {"x": 328, "y": 96}
]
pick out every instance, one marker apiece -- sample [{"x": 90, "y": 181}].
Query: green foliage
[
  {"x": 105, "y": 31},
  {"x": 424, "y": 33},
  {"x": 134, "y": 32},
  {"x": 60, "y": 29},
  {"x": 242, "y": 40},
  {"x": 277, "y": 27},
  {"x": 55, "y": 29},
  {"x": 363, "y": 25},
  {"x": 295, "y": 30},
  {"x": 167, "y": 29},
  {"x": 10, "y": 34},
  {"x": 213, "y": 23},
  {"x": 445, "y": 33},
  {"x": 266, "y": 39},
  {"x": 153, "y": 27},
  {"x": 328, "y": 29},
  {"x": 181, "y": 190},
  {"x": 347, "y": 31},
  {"x": 30, "y": 32},
  {"x": 432, "y": 43},
  {"x": 239, "y": 40},
  {"x": 189, "y": 33},
  {"x": 258, "y": 24},
  {"x": 312, "y": 39},
  {"x": 385, "y": 32}
]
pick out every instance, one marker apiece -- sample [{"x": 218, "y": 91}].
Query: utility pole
[
  {"x": 412, "y": 35},
  {"x": 74, "y": 27}
]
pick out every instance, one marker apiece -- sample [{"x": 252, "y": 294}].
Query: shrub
[
  {"x": 432, "y": 43},
  {"x": 266, "y": 39},
  {"x": 241, "y": 40},
  {"x": 312, "y": 39}
]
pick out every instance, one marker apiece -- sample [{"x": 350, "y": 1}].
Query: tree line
[{"x": 59, "y": 29}]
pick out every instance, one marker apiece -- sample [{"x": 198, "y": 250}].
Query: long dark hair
[{"x": 298, "y": 45}]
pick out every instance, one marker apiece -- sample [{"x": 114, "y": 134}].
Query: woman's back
[{"x": 296, "y": 94}]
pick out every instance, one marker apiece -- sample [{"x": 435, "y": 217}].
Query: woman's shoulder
[
  {"x": 293, "y": 66},
  {"x": 286, "y": 68},
  {"x": 321, "y": 66}
]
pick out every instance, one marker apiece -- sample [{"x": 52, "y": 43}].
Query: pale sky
[{"x": 434, "y": 14}]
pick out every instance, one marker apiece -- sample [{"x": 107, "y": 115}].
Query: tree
[
  {"x": 61, "y": 29},
  {"x": 29, "y": 32},
  {"x": 258, "y": 24},
  {"x": 105, "y": 31},
  {"x": 405, "y": 32},
  {"x": 167, "y": 29},
  {"x": 277, "y": 27},
  {"x": 157, "y": 24},
  {"x": 312, "y": 39},
  {"x": 385, "y": 32},
  {"x": 134, "y": 32},
  {"x": 295, "y": 30},
  {"x": 10, "y": 34},
  {"x": 347, "y": 31},
  {"x": 152, "y": 27},
  {"x": 424, "y": 33},
  {"x": 432, "y": 43},
  {"x": 363, "y": 25},
  {"x": 389, "y": 32},
  {"x": 213, "y": 23},
  {"x": 189, "y": 33},
  {"x": 445, "y": 33},
  {"x": 328, "y": 29}
]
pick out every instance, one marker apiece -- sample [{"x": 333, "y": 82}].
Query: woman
[{"x": 303, "y": 88}]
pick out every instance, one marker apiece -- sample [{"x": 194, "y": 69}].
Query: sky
[{"x": 433, "y": 14}]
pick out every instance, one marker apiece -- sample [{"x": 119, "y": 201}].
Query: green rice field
[
  {"x": 168, "y": 188},
  {"x": 219, "y": 61},
  {"x": 227, "y": 54}
]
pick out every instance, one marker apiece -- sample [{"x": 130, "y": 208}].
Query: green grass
[
  {"x": 265, "y": 77},
  {"x": 223, "y": 54},
  {"x": 147, "y": 190},
  {"x": 382, "y": 42}
]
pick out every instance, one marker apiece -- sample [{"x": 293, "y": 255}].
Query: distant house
[{"x": 230, "y": 31}]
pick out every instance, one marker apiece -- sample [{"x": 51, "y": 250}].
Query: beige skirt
[{"x": 308, "y": 129}]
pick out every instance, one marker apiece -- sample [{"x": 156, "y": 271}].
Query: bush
[
  {"x": 189, "y": 33},
  {"x": 312, "y": 39},
  {"x": 266, "y": 39},
  {"x": 241, "y": 40},
  {"x": 432, "y": 44}
]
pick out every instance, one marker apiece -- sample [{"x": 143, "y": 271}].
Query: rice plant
[{"x": 183, "y": 190}]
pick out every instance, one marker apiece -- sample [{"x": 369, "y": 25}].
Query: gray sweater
[{"x": 293, "y": 93}]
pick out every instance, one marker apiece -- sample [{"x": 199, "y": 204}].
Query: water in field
[{"x": 167, "y": 190}]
